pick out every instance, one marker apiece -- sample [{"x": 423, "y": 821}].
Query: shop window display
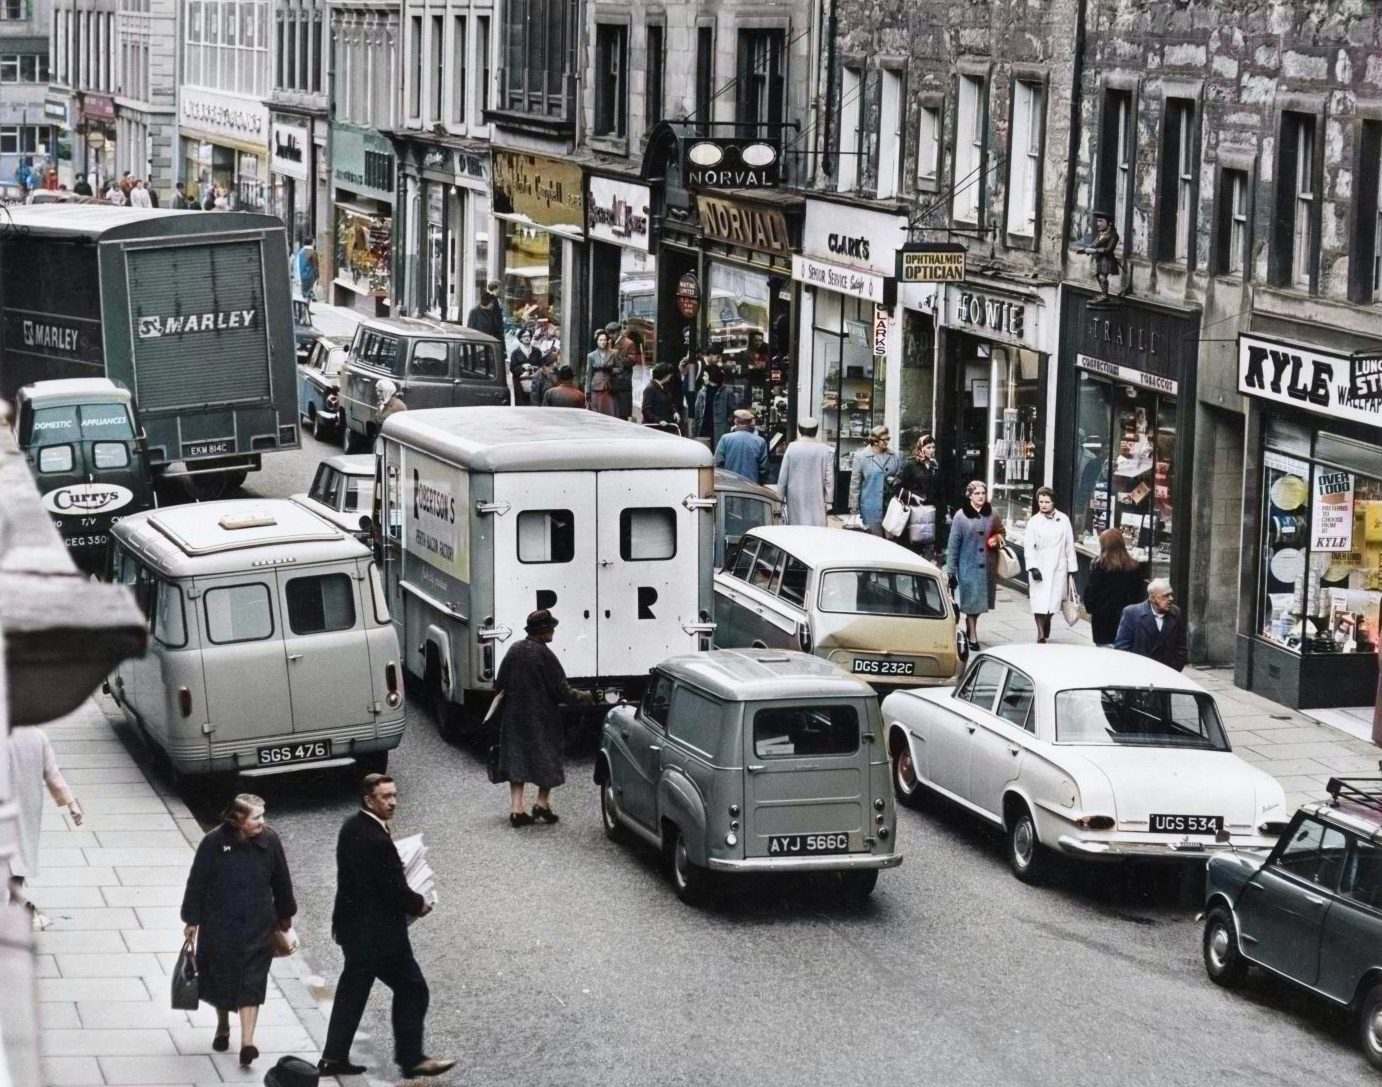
[
  {"x": 848, "y": 378},
  {"x": 1125, "y": 469},
  {"x": 1321, "y": 576},
  {"x": 1016, "y": 415},
  {"x": 532, "y": 288},
  {"x": 364, "y": 251}
]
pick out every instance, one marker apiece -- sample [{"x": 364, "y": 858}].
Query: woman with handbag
[
  {"x": 869, "y": 477},
  {"x": 1049, "y": 546},
  {"x": 239, "y": 895},
  {"x": 1115, "y": 582},
  {"x": 971, "y": 558},
  {"x": 919, "y": 489}
]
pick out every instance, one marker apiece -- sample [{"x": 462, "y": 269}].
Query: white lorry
[{"x": 490, "y": 513}]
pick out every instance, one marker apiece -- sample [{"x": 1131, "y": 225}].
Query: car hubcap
[
  {"x": 1375, "y": 1031},
  {"x": 680, "y": 862},
  {"x": 607, "y": 804},
  {"x": 906, "y": 772},
  {"x": 1022, "y": 842},
  {"x": 1218, "y": 947}
]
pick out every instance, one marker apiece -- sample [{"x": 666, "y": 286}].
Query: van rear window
[
  {"x": 239, "y": 613},
  {"x": 802, "y": 731},
  {"x": 318, "y": 605},
  {"x": 75, "y": 421},
  {"x": 882, "y": 592},
  {"x": 546, "y": 536}
]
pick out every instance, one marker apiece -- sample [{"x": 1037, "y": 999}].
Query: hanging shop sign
[
  {"x": 546, "y": 191},
  {"x": 226, "y": 115},
  {"x": 880, "y": 332},
  {"x": 363, "y": 161},
  {"x": 689, "y": 295},
  {"x": 97, "y": 107},
  {"x": 731, "y": 163},
  {"x": 992, "y": 317},
  {"x": 1365, "y": 382},
  {"x": 740, "y": 224},
  {"x": 1307, "y": 377},
  {"x": 931, "y": 262},
  {"x": 854, "y": 282},
  {"x": 55, "y": 109},
  {"x": 1331, "y": 513},
  {"x": 288, "y": 149},
  {"x": 1127, "y": 375},
  {"x": 618, "y": 212}
]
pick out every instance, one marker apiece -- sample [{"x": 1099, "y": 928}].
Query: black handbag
[
  {"x": 185, "y": 980},
  {"x": 496, "y": 775}
]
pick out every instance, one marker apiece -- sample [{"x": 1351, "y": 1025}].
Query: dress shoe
[
  {"x": 520, "y": 819},
  {"x": 248, "y": 1055},
  {"x": 428, "y": 1066},
  {"x": 340, "y": 1068},
  {"x": 547, "y": 815},
  {"x": 220, "y": 1042}
]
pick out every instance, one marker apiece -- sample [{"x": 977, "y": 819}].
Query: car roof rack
[{"x": 1366, "y": 792}]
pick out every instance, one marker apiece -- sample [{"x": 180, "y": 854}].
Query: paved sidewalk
[
  {"x": 113, "y": 888},
  {"x": 1299, "y": 751}
]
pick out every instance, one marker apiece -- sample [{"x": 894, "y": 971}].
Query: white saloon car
[
  {"x": 1094, "y": 753},
  {"x": 342, "y": 491}
]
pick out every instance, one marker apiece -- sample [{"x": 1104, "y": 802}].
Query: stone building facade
[
  {"x": 27, "y": 130},
  {"x": 80, "y": 100},
  {"x": 146, "y": 120},
  {"x": 299, "y": 129}
]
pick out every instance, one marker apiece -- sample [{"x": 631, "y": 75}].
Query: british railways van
[
  {"x": 272, "y": 648},
  {"x": 492, "y": 513}
]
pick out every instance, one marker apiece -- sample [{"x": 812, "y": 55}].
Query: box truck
[
  {"x": 187, "y": 310},
  {"x": 490, "y": 513}
]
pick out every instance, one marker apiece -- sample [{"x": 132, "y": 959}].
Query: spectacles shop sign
[{"x": 1324, "y": 382}]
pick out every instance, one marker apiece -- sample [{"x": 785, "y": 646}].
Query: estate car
[
  {"x": 741, "y": 504},
  {"x": 751, "y": 761}
]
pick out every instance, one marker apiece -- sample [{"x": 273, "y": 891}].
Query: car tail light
[
  {"x": 1095, "y": 822},
  {"x": 394, "y": 697},
  {"x": 184, "y": 701},
  {"x": 1273, "y": 828},
  {"x": 804, "y": 636},
  {"x": 333, "y": 400}
]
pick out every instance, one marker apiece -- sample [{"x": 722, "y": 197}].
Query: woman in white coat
[{"x": 1049, "y": 545}]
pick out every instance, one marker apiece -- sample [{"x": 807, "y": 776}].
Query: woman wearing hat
[
  {"x": 868, "y": 479},
  {"x": 532, "y": 734}
]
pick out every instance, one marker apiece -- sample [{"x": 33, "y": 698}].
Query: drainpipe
[
  {"x": 1076, "y": 111},
  {"x": 832, "y": 25}
]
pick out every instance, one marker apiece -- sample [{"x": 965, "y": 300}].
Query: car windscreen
[
  {"x": 800, "y": 731},
  {"x": 335, "y": 359},
  {"x": 88, "y": 422},
  {"x": 882, "y": 592},
  {"x": 1139, "y": 717}
]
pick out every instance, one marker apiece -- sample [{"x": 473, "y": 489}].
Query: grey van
[
  {"x": 741, "y": 761},
  {"x": 434, "y": 365}
]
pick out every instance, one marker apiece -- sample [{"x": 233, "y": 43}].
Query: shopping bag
[
  {"x": 921, "y": 525},
  {"x": 185, "y": 979},
  {"x": 854, "y": 523},
  {"x": 1070, "y": 605},
  {"x": 285, "y": 941},
  {"x": 1008, "y": 564},
  {"x": 894, "y": 518}
]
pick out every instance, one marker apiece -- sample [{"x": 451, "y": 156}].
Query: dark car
[
  {"x": 1311, "y": 911},
  {"x": 319, "y": 392}
]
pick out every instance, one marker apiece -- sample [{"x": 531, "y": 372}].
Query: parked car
[
  {"x": 867, "y": 604},
  {"x": 751, "y": 761},
  {"x": 1311, "y": 911},
  {"x": 319, "y": 386},
  {"x": 434, "y": 365},
  {"x": 342, "y": 492},
  {"x": 741, "y": 505},
  {"x": 1090, "y": 752}
]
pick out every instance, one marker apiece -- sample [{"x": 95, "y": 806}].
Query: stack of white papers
[{"x": 421, "y": 878}]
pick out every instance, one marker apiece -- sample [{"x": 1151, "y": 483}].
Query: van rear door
[
  {"x": 806, "y": 777},
  {"x": 480, "y": 379},
  {"x": 649, "y": 569},
  {"x": 327, "y": 648},
  {"x": 544, "y": 557},
  {"x": 243, "y": 662}
]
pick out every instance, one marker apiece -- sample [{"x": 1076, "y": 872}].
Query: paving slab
[
  {"x": 63, "y": 1016},
  {"x": 160, "y": 1071},
  {"x": 46, "y": 966},
  {"x": 75, "y": 989},
  {"x": 161, "y": 894},
  {"x": 71, "y": 1072},
  {"x": 121, "y": 789},
  {"x": 99, "y": 1015},
  {"x": 155, "y": 940},
  {"x": 157, "y": 917},
  {"x": 128, "y": 964},
  {"x": 104, "y": 822},
  {"x": 161, "y": 875},
  {"x": 170, "y": 838},
  {"x": 143, "y": 803},
  {"x": 228, "y": 1064},
  {"x": 61, "y": 897},
  {"x": 108, "y": 1043},
  {"x": 52, "y": 837},
  {"x": 110, "y": 759},
  {"x": 61, "y": 858},
  {"x": 279, "y": 1039},
  {"x": 164, "y": 857},
  {"x": 99, "y": 776},
  {"x": 74, "y": 876},
  {"x": 76, "y": 943},
  {"x": 81, "y": 920}
]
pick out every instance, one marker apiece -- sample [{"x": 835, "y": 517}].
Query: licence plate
[
  {"x": 870, "y": 667},
  {"x": 797, "y": 845},
  {"x": 206, "y": 449},
  {"x": 1186, "y": 824},
  {"x": 279, "y": 754}
]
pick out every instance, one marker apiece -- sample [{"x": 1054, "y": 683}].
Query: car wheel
[
  {"x": 689, "y": 879},
  {"x": 859, "y": 885},
  {"x": 907, "y": 786},
  {"x": 609, "y": 813},
  {"x": 1223, "y": 962},
  {"x": 1026, "y": 855},
  {"x": 355, "y": 442},
  {"x": 1370, "y": 1026},
  {"x": 235, "y": 480},
  {"x": 376, "y": 762},
  {"x": 447, "y": 714}
]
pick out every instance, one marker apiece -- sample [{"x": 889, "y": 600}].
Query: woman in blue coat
[
  {"x": 975, "y": 533},
  {"x": 868, "y": 479}
]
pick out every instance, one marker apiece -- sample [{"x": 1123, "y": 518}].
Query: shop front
[
  {"x": 623, "y": 272},
  {"x": 993, "y": 392},
  {"x": 362, "y": 174},
  {"x": 852, "y": 341},
  {"x": 540, "y": 205},
  {"x": 225, "y": 144},
  {"x": 1311, "y": 589},
  {"x": 291, "y": 192},
  {"x": 1125, "y": 427}
]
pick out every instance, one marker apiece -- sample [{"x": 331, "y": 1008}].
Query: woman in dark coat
[
  {"x": 532, "y": 737},
  {"x": 1115, "y": 581},
  {"x": 238, "y": 892},
  {"x": 975, "y": 531},
  {"x": 919, "y": 488},
  {"x": 525, "y": 361}
]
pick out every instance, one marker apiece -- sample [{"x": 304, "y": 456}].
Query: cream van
[{"x": 272, "y": 648}]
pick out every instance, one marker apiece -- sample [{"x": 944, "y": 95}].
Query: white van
[
  {"x": 272, "y": 647},
  {"x": 492, "y": 513}
]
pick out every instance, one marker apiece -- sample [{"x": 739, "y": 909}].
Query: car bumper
[
  {"x": 1179, "y": 850},
  {"x": 844, "y": 862}
]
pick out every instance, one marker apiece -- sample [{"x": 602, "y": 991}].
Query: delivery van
[
  {"x": 272, "y": 648},
  {"x": 492, "y": 513}
]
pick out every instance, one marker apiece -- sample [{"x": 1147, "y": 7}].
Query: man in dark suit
[
  {"x": 1155, "y": 628},
  {"x": 370, "y": 922}
]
